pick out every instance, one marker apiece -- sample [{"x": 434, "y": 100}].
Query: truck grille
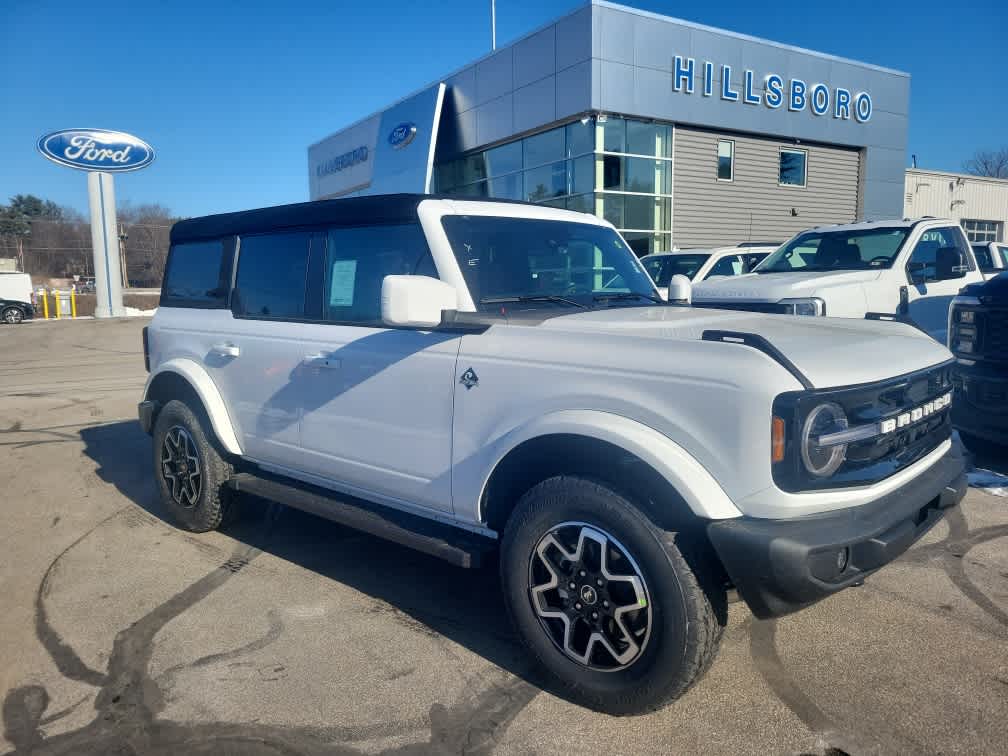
[
  {"x": 985, "y": 338},
  {"x": 769, "y": 307},
  {"x": 994, "y": 334}
]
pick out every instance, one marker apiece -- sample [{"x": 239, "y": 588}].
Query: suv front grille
[{"x": 880, "y": 456}]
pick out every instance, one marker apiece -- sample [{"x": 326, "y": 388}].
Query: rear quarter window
[{"x": 194, "y": 275}]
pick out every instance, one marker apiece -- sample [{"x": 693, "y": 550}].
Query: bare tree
[{"x": 992, "y": 163}]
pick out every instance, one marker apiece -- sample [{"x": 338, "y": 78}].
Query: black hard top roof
[{"x": 376, "y": 208}]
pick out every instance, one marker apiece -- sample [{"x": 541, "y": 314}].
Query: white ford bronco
[{"x": 494, "y": 382}]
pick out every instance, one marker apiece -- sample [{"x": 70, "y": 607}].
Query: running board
[{"x": 460, "y": 547}]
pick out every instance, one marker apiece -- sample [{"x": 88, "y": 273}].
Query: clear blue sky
[{"x": 231, "y": 94}]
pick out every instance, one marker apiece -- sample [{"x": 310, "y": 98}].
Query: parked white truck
[
  {"x": 903, "y": 269},
  {"x": 497, "y": 381},
  {"x": 15, "y": 298}
]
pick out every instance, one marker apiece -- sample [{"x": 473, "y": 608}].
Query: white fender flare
[
  {"x": 704, "y": 495},
  {"x": 208, "y": 393}
]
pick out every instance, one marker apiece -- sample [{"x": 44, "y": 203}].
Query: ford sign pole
[
  {"x": 105, "y": 243},
  {"x": 101, "y": 153}
]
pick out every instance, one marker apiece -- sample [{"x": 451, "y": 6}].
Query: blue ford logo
[
  {"x": 402, "y": 135},
  {"x": 96, "y": 150}
]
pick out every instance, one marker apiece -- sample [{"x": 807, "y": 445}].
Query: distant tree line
[
  {"x": 991, "y": 163},
  {"x": 52, "y": 241}
]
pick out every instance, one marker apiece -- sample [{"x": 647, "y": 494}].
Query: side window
[
  {"x": 793, "y": 167},
  {"x": 725, "y": 160},
  {"x": 1003, "y": 252},
  {"x": 193, "y": 275},
  {"x": 272, "y": 272},
  {"x": 727, "y": 266},
  {"x": 983, "y": 256},
  {"x": 925, "y": 254},
  {"x": 357, "y": 261}
]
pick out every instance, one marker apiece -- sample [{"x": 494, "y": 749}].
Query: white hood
[
  {"x": 829, "y": 351},
  {"x": 772, "y": 287}
]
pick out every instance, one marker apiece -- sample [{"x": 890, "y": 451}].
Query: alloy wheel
[
  {"x": 180, "y": 465},
  {"x": 590, "y": 596},
  {"x": 12, "y": 315}
]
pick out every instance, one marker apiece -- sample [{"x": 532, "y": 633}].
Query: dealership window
[
  {"x": 982, "y": 231},
  {"x": 617, "y": 168},
  {"x": 793, "y": 167},
  {"x": 726, "y": 160}
]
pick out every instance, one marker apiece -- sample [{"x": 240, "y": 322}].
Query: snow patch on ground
[{"x": 991, "y": 482}]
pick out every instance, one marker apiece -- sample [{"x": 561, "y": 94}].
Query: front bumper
[
  {"x": 980, "y": 401},
  {"x": 781, "y": 566}
]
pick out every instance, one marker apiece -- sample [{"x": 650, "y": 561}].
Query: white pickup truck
[
  {"x": 499, "y": 382},
  {"x": 902, "y": 269}
]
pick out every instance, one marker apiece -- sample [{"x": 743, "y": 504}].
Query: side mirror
[
  {"x": 949, "y": 263},
  {"x": 680, "y": 290},
  {"x": 415, "y": 301}
]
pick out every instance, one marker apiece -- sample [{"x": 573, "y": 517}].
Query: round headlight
[{"x": 823, "y": 461}]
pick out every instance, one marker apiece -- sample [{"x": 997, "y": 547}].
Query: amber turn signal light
[{"x": 777, "y": 440}]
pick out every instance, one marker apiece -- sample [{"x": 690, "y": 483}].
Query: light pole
[{"x": 493, "y": 24}]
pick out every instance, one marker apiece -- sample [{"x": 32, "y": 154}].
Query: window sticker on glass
[{"x": 341, "y": 283}]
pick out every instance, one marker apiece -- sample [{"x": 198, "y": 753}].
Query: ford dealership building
[{"x": 679, "y": 134}]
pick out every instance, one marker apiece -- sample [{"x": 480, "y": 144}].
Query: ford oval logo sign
[
  {"x": 96, "y": 150},
  {"x": 402, "y": 135}
]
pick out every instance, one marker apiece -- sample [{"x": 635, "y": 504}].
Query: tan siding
[{"x": 707, "y": 212}]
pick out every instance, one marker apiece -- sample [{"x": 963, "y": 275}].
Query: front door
[
  {"x": 376, "y": 402},
  {"x": 929, "y": 296}
]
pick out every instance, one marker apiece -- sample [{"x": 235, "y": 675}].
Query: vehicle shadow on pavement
[{"x": 421, "y": 592}]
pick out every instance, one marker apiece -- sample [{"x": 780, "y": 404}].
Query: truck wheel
[
  {"x": 190, "y": 473},
  {"x": 12, "y": 315},
  {"x": 606, "y": 602}
]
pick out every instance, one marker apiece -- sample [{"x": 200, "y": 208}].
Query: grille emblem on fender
[{"x": 469, "y": 378}]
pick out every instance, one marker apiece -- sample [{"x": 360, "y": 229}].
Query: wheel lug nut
[
  {"x": 605, "y": 604},
  {"x": 577, "y": 606},
  {"x": 600, "y": 583},
  {"x": 582, "y": 573},
  {"x": 573, "y": 586},
  {"x": 594, "y": 615}
]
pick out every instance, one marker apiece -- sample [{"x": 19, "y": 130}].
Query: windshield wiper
[
  {"x": 532, "y": 298},
  {"x": 627, "y": 295}
]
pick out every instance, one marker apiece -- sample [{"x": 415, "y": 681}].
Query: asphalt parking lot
[{"x": 288, "y": 634}]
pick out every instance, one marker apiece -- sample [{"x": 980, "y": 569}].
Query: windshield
[
  {"x": 663, "y": 267},
  {"x": 866, "y": 249},
  {"x": 546, "y": 263}
]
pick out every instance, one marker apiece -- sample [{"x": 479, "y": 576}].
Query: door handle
[
  {"x": 225, "y": 350},
  {"x": 321, "y": 361}
]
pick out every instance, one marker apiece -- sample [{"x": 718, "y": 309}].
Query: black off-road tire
[
  {"x": 688, "y": 604},
  {"x": 213, "y": 503}
]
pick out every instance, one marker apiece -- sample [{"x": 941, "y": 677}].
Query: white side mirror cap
[
  {"x": 680, "y": 290},
  {"x": 415, "y": 301}
]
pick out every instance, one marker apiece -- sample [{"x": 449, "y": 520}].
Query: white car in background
[
  {"x": 992, "y": 257},
  {"x": 905, "y": 270},
  {"x": 703, "y": 264}
]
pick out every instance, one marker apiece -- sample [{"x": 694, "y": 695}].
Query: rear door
[
  {"x": 255, "y": 359},
  {"x": 928, "y": 296}
]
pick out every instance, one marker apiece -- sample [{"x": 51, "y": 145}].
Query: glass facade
[{"x": 617, "y": 168}]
